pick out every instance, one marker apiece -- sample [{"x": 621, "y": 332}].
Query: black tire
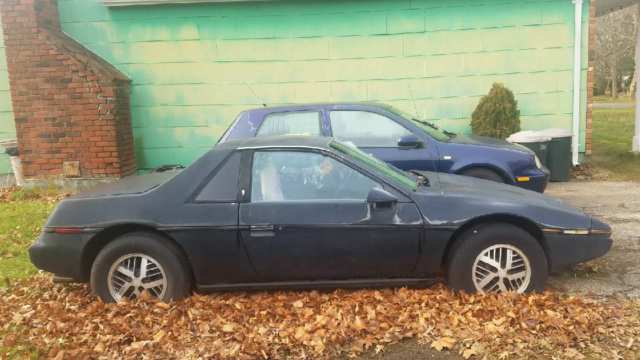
[
  {"x": 167, "y": 254},
  {"x": 478, "y": 238},
  {"x": 483, "y": 173}
]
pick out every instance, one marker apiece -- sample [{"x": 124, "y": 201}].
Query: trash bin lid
[
  {"x": 556, "y": 133},
  {"x": 528, "y": 136}
]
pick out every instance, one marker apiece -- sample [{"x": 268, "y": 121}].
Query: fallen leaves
[
  {"x": 443, "y": 343},
  {"x": 65, "y": 321},
  {"x": 49, "y": 194}
]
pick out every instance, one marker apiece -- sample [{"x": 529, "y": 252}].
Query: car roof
[
  {"x": 277, "y": 141},
  {"x": 318, "y": 106}
]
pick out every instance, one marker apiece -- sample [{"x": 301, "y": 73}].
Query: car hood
[
  {"x": 461, "y": 198},
  {"x": 457, "y": 184},
  {"x": 488, "y": 142}
]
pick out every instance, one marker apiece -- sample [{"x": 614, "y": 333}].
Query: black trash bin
[
  {"x": 533, "y": 140},
  {"x": 559, "y": 153}
]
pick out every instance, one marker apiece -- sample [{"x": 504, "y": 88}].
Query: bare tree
[{"x": 615, "y": 42}]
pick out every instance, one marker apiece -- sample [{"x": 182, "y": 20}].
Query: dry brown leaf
[
  {"x": 467, "y": 353},
  {"x": 358, "y": 324},
  {"x": 163, "y": 305},
  {"x": 443, "y": 343},
  {"x": 159, "y": 335},
  {"x": 99, "y": 348}
]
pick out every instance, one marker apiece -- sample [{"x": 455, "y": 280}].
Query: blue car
[{"x": 400, "y": 139}]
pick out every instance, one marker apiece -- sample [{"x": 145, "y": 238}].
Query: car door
[
  {"x": 306, "y": 217},
  {"x": 378, "y": 135}
]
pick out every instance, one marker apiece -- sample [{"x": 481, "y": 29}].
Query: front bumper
[
  {"x": 60, "y": 254},
  {"x": 538, "y": 180},
  {"x": 565, "y": 250}
]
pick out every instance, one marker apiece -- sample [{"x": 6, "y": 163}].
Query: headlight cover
[{"x": 538, "y": 162}]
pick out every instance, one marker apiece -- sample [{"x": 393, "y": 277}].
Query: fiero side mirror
[{"x": 380, "y": 198}]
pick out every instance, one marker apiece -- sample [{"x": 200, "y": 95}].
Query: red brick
[{"x": 69, "y": 104}]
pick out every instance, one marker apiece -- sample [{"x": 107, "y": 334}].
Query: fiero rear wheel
[
  {"x": 140, "y": 262},
  {"x": 497, "y": 258}
]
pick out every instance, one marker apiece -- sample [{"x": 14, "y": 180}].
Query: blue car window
[
  {"x": 397, "y": 175},
  {"x": 298, "y": 122},
  {"x": 305, "y": 176},
  {"x": 366, "y": 129}
]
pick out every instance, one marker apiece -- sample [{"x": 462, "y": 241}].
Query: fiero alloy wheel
[
  {"x": 497, "y": 258},
  {"x": 140, "y": 262}
]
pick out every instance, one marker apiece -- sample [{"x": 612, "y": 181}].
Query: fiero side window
[
  {"x": 278, "y": 176},
  {"x": 223, "y": 186}
]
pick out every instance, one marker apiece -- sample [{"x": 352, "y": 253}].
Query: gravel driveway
[{"x": 617, "y": 203}]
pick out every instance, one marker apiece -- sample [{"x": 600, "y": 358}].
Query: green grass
[
  {"x": 20, "y": 224},
  {"x": 609, "y": 99},
  {"x": 612, "y": 136}
]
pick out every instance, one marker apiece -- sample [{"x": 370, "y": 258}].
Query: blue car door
[{"x": 378, "y": 135}]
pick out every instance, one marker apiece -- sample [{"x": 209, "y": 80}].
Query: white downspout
[
  {"x": 636, "y": 135},
  {"x": 577, "y": 79}
]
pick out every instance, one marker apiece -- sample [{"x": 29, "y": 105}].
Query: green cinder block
[
  {"x": 365, "y": 47},
  {"x": 406, "y": 21},
  {"x": 348, "y": 91}
]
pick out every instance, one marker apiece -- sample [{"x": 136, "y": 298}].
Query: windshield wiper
[
  {"x": 422, "y": 180},
  {"x": 435, "y": 127},
  {"x": 429, "y": 124}
]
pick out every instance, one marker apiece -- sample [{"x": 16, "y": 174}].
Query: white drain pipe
[
  {"x": 636, "y": 134},
  {"x": 16, "y": 165},
  {"x": 577, "y": 79}
]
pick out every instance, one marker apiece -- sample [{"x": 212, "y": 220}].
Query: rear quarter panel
[{"x": 207, "y": 232}]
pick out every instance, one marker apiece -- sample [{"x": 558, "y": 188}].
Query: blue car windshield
[
  {"x": 398, "y": 176},
  {"x": 428, "y": 127}
]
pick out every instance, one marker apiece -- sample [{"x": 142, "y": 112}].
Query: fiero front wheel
[{"x": 497, "y": 258}]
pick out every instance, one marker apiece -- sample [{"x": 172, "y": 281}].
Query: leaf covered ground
[{"x": 65, "y": 321}]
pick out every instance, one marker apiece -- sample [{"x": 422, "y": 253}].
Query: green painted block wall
[
  {"x": 194, "y": 67},
  {"x": 7, "y": 124}
]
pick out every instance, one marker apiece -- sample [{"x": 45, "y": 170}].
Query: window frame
[
  {"x": 266, "y": 116},
  {"x": 390, "y": 118},
  {"x": 247, "y": 180}
]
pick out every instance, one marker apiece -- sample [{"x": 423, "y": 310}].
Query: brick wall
[
  {"x": 71, "y": 107},
  {"x": 590, "y": 78}
]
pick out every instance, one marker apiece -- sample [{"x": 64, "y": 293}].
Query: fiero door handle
[{"x": 262, "y": 230}]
